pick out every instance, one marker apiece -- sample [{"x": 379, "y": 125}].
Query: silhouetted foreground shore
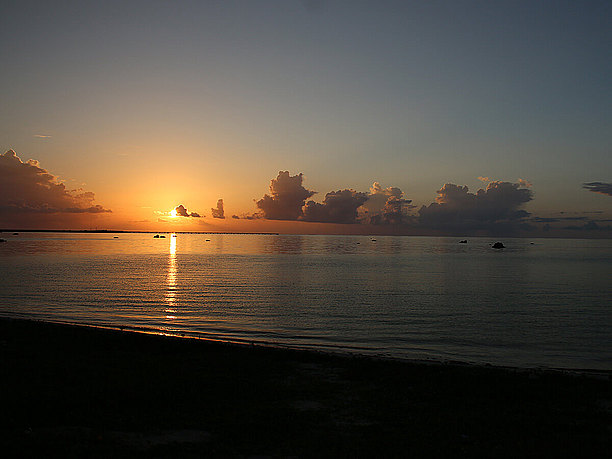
[{"x": 81, "y": 392}]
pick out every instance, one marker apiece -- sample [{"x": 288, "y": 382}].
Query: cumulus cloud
[
  {"x": 181, "y": 211},
  {"x": 379, "y": 197},
  {"x": 286, "y": 199},
  {"x": 495, "y": 208},
  {"x": 337, "y": 207},
  {"x": 386, "y": 206},
  {"x": 25, "y": 187},
  {"x": 218, "y": 212},
  {"x": 598, "y": 187}
]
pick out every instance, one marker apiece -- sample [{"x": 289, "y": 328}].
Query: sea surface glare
[{"x": 536, "y": 303}]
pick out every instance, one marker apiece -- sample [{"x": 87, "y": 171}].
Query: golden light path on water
[{"x": 171, "y": 280}]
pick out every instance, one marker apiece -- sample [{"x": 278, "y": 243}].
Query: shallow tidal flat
[{"x": 79, "y": 391}]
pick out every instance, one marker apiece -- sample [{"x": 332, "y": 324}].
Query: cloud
[
  {"x": 337, "y": 207},
  {"x": 386, "y": 206},
  {"x": 557, "y": 219},
  {"x": 286, "y": 199},
  {"x": 42, "y": 136},
  {"x": 598, "y": 187},
  {"x": 496, "y": 208},
  {"x": 484, "y": 179},
  {"x": 28, "y": 188},
  {"x": 591, "y": 225},
  {"x": 218, "y": 212},
  {"x": 247, "y": 216},
  {"x": 524, "y": 183},
  {"x": 379, "y": 197},
  {"x": 181, "y": 211}
]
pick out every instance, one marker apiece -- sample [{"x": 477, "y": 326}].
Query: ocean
[{"x": 535, "y": 303}]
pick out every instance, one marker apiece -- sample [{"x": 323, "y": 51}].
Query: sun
[{"x": 173, "y": 213}]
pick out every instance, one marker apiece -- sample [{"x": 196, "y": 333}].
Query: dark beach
[{"x": 76, "y": 391}]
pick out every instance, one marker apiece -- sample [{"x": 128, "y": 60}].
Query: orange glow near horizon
[{"x": 173, "y": 213}]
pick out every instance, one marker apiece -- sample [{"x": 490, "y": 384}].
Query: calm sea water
[{"x": 539, "y": 302}]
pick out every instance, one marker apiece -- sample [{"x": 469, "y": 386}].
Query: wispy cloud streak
[{"x": 599, "y": 187}]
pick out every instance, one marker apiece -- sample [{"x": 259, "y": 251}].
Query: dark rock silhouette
[
  {"x": 2, "y": 240},
  {"x": 156, "y": 236},
  {"x": 498, "y": 245},
  {"x": 463, "y": 241}
]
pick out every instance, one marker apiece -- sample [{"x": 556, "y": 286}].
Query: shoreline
[
  {"x": 79, "y": 390},
  {"x": 328, "y": 350}
]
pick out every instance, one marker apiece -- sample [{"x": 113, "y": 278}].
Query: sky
[{"x": 311, "y": 116}]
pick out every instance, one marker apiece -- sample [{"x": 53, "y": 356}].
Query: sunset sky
[{"x": 394, "y": 106}]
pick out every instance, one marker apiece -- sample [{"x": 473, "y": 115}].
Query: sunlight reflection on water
[{"x": 171, "y": 277}]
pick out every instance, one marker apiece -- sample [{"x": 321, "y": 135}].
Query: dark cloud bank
[
  {"x": 26, "y": 188},
  {"x": 337, "y": 207},
  {"x": 496, "y": 209}
]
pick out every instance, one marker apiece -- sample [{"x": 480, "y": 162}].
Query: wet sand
[{"x": 83, "y": 392}]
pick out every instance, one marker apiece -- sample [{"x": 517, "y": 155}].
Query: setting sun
[{"x": 173, "y": 213}]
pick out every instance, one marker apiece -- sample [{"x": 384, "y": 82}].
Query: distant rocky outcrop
[{"x": 498, "y": 245}]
